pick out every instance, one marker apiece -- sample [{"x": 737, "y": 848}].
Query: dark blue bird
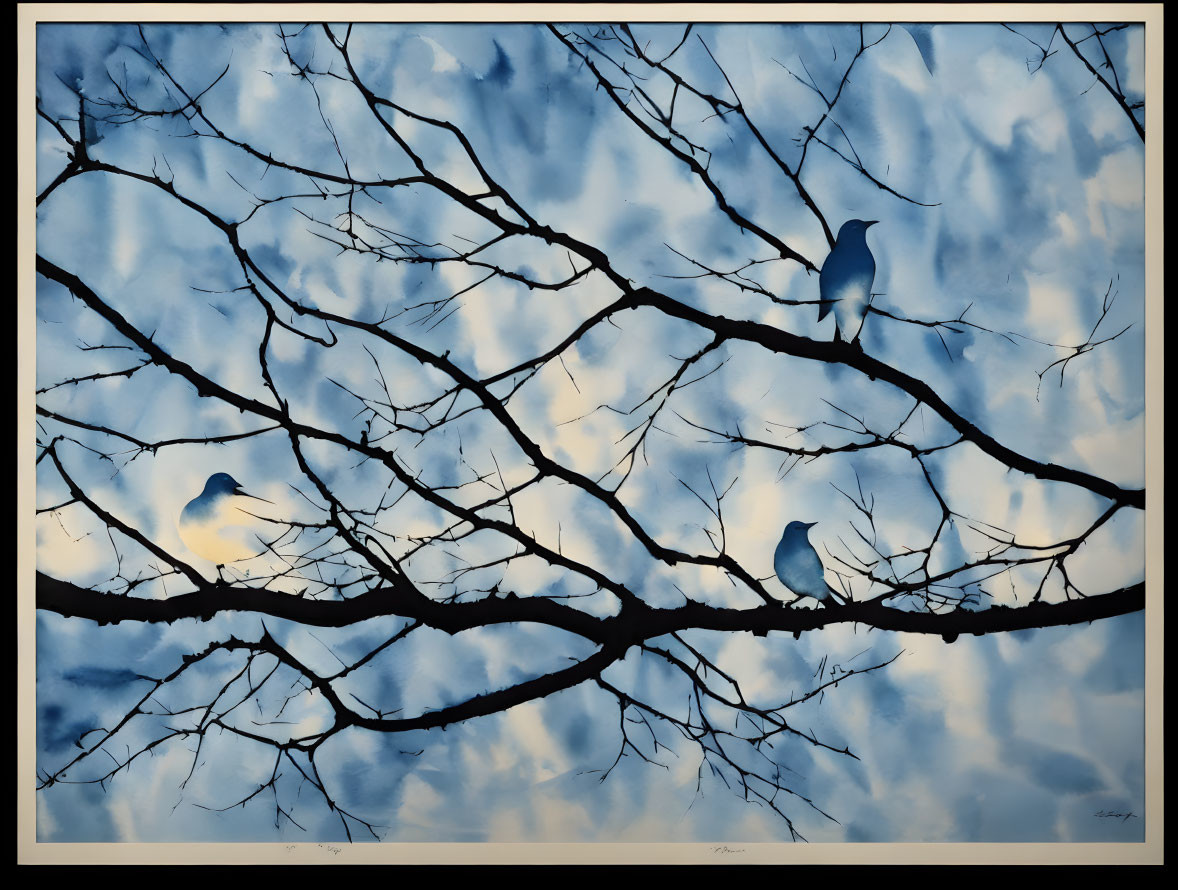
[
  {"x": 846, "y": 279},
  {"x": 216, "y": 525},
  {"x": 798, "y": 566}
]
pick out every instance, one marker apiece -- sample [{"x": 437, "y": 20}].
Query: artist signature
[
  {"x": 330, "y": 848},
  {"x": 1109, "y": 814},
  {"x": 725, "y": 849}
]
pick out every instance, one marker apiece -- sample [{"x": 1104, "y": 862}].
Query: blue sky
[{"x": 1037, "y": 184}]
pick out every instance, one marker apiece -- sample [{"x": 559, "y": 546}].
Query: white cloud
[
  {"x": 1118, "y": 183},
  {"x": 46, "y": 825},
  {"x": 526, "y": 723}
]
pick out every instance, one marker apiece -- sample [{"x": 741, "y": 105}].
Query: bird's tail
[{"x": 837, "y": 597}]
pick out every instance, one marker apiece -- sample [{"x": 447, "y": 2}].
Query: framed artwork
[{"x": 590, "y": 434}]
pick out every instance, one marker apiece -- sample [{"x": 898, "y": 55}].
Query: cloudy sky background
[{"x": 1038, "y": 182}]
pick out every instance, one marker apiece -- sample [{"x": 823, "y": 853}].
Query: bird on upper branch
[{"x": 845, "y": 280}]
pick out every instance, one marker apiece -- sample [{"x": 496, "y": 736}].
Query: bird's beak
[
  {"x": 869, "y": 223},
  {"x": 245, "y": 494},
  {"x": 811, "y": 524}
]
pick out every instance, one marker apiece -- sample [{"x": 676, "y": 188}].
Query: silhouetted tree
[{"x": 502, "y": 386}]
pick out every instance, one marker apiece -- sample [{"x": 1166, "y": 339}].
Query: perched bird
[
  {"x": 217, "y": 525},
  {"x": 798, "y": 566},
  {"x": 846, "y": 278}
]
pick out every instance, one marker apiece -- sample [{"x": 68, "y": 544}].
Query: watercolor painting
[{"x": 590, "y": 433}]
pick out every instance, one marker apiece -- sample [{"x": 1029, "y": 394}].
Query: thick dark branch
[
  {"x": 636, "y": 622},
  {"x": 948, "y": 625},
  {"x": 837, "y": 352},
  {"x": 501, "y": 700},
  {"x": 72, "y": 601}
]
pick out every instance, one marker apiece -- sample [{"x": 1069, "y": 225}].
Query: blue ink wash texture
[{"x": 1037, "y": 184}]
